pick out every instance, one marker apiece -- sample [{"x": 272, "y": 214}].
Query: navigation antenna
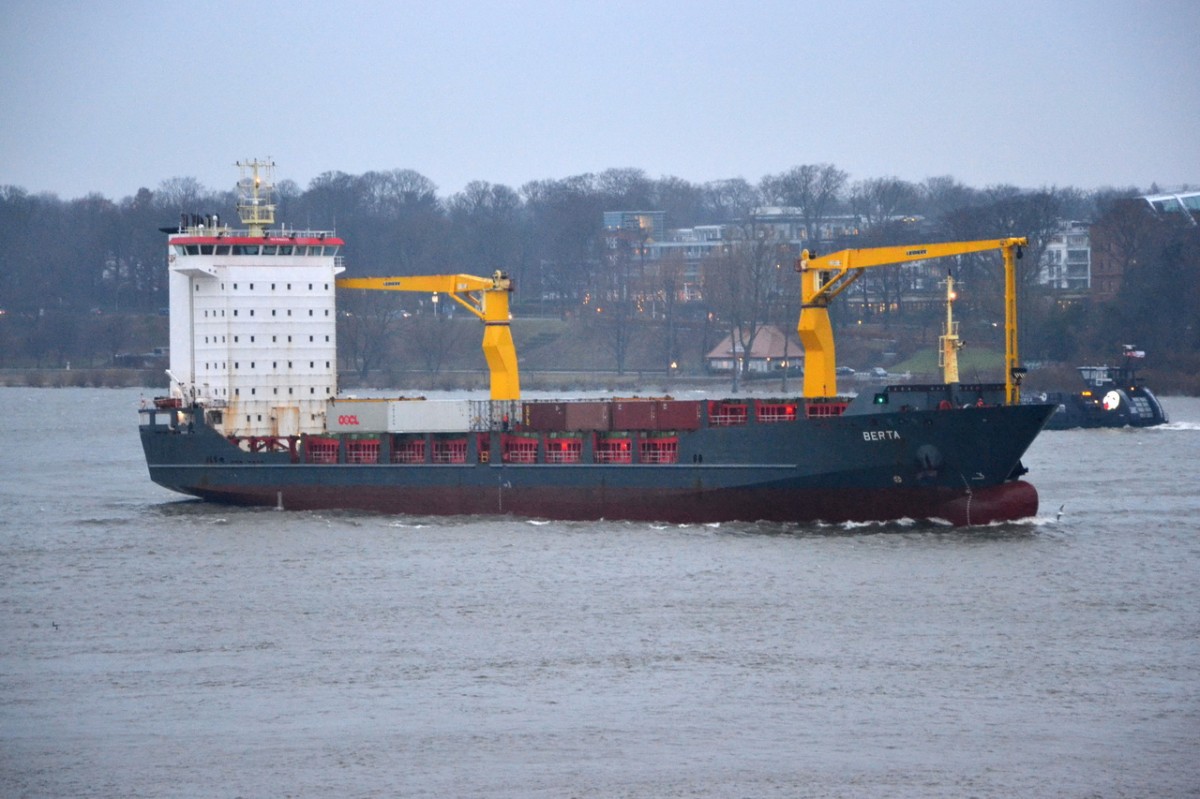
[
  {"x": 949, "y": 342},
  {"x": 255, "y": 206}
]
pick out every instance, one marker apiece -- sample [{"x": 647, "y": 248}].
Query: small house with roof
[{"x": 771, "y": 352}]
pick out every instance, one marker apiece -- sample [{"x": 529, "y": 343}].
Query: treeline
[{"x": 65, "y": 262}]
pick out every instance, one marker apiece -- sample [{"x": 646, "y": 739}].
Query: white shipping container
[
  {"x": 357, "y": 415},
  {"x": 429, "y": 416}
]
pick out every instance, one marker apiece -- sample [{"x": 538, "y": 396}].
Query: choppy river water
[{"x": 156, "y": 646}]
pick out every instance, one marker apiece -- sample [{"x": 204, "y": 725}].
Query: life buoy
[{"x": 945, "y": 405}]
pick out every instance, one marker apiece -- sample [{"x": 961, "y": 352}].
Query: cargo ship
[
  {"x": 253, "y": 415},
  {"x": 1115, "y": 396}
]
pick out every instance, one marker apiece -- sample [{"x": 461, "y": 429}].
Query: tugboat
[
  {"x": 1115, "y": 397},
  {"x": 253, "y": 416}
]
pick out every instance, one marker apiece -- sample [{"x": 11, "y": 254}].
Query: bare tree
[
  {"x": 813, "y": 189},
  {"x": 683, "y": 202},
  {"x": 1008, "y": 211},
  {"x": 1118, "y": 239},
  {"x": 565, "y": 225},
  {"x": 725, "y": 200},
  {"x": 670, "y": 277},
  {"x": 881, "y": 205},
  {"x": 943, "y": 194},
  {"x": 404, "y": 222},
  {"x": 486, "y": 231},
  {"x": 613, "y": 293},
  {"x": 434, "y": 337},
  {"x": 625, "y": 188},
  {"x": 877, "y": 201},
  {"x": 184, "y": 195},
  {"x": 366, "y": 322},
  {"x": 741, "y": 280}
]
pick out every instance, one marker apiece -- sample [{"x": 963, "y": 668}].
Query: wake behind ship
[{"x": 253, "y": 416}]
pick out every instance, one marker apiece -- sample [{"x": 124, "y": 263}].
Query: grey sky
[{"x": 111, "y": 96}]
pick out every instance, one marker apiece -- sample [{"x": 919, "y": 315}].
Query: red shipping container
[
  {"x": 588, "y": 416},
  {"x": 678, "y": 414},
  {"x": 545, "y": 416},
  {"x": 634, "y": 415}
]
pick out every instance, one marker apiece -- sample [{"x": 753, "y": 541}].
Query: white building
[{"x": 1067, "y": 260}]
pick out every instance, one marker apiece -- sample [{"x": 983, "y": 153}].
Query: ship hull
[
  {"x": 959, "y": 466},
  {"x": 1012, "y": 500}
]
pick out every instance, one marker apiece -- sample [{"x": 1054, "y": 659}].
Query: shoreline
[{"x": 531, "y": 380}]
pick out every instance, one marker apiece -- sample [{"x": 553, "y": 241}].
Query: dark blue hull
[{"x": 1124, "y": 407}]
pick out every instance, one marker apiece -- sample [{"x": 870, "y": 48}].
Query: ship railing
[{"x": 225, "y": 231}]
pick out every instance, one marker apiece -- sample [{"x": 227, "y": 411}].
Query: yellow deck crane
[
  {"x": 486, "y": 297},
  {"x": 824, "y": 277}
]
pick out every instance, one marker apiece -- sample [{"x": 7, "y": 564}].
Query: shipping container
[
  {"x": 357, "y": 415},
  {"x": 634, "y": 414},
  {"x": 501, "y": 415},
  {"x": 429, "y": 416},
  {"x": 678, "y": 414},
  {"x": 545, "y": 416},
  {"x": 589, "y": 415}
]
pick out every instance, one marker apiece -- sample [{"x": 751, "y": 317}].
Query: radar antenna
[{"x": 255, "y": 206}]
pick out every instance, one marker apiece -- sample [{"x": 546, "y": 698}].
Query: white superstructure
[{"x": 253, "y": 317}]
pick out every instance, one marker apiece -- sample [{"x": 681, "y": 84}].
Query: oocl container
[{"x": 357, "y": 415}]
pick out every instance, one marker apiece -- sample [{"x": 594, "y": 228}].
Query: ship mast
[
  {"x": 949, "y": 343},
  {"x": 255, "y": 206}
]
